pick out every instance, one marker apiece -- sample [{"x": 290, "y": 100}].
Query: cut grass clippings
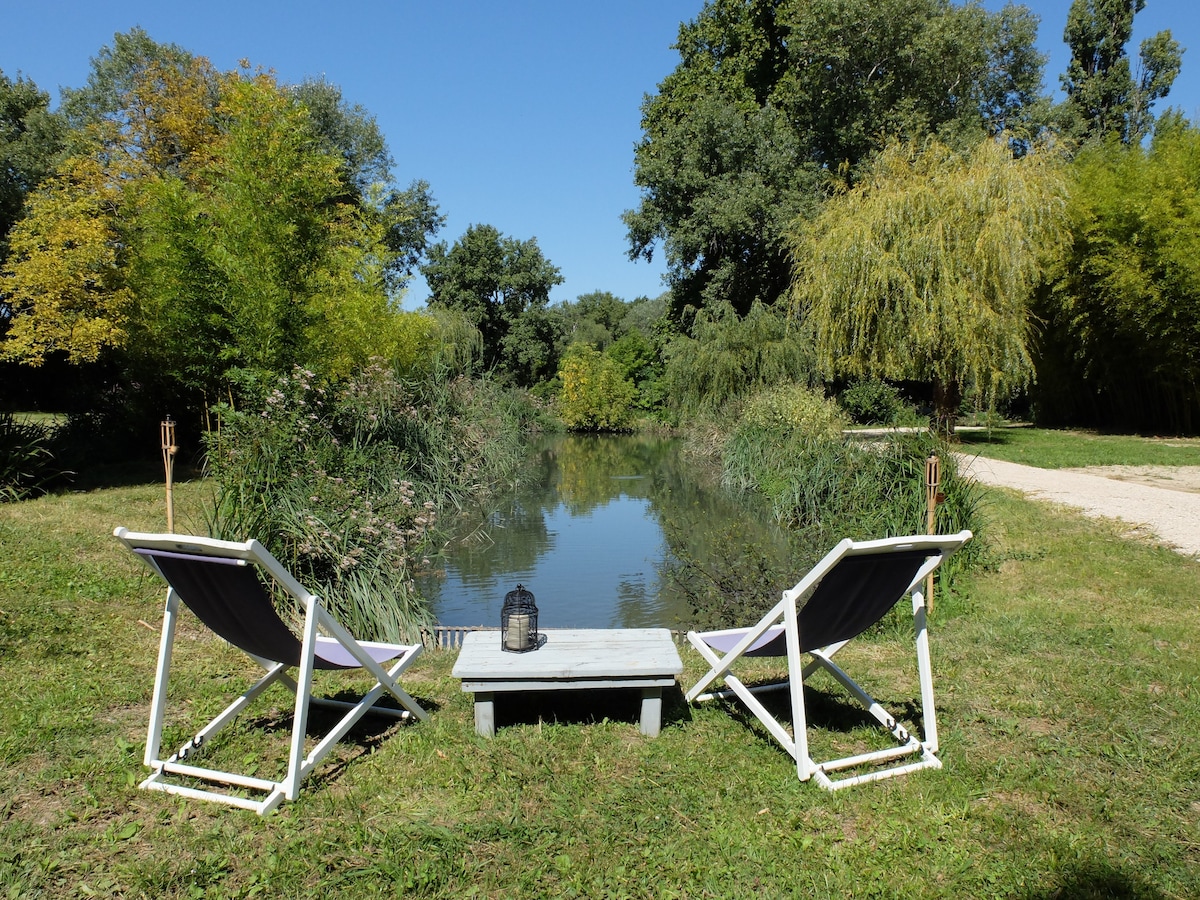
[{"x": 1068, "y": 695}]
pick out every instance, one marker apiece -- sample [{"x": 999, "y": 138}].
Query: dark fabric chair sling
[
  {"x": 847, "y": 592},
  {"x": 221, "y": 582}
]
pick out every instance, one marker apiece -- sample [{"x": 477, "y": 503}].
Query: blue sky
[{"x": 522, "y": 115}]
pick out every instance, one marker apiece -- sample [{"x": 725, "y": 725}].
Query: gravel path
[{"x": 1170, "y": 514}]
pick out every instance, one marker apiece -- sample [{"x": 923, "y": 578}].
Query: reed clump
[
  {"x": 822, "y": 487},
  {"x": 344, "y": 481}
]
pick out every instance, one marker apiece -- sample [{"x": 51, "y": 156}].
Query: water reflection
[{"x": 587, "y": 533}]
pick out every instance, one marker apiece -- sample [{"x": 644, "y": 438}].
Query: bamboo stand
[
  {"x": 169, "y": 449},
  {"x": 933, "y": 479}
]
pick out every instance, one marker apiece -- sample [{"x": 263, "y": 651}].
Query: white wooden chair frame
[
  {"x": 783, "y": 617},
  {"x": 335, "y": 643}
]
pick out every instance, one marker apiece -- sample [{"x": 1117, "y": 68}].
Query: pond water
[{"x": 591, "y": 531}]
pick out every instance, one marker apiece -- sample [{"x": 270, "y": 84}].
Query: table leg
[
  {"x": 485, "y": 713},
  {"x": 651, "y": 711}
]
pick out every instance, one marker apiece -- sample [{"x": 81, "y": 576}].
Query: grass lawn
[
  {"x": 1068, "y": 693},
  {"x": 1064, "y": 449}
]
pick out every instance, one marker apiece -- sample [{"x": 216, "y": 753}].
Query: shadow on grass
[
  {"x": 829, "y": 712},
  {"x": 130, "y": 473},
  {"x": 1096, "y": 879},
  {"x": 369, "y": 733},
  {"x": 996, "y": 437}
]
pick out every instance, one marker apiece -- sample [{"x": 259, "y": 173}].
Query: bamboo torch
[
  {"x": 169, "y": 449},
  {"x": 933, "y": 479}
]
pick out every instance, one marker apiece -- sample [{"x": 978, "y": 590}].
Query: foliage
[
  {"x": 796, "y": 412},
  {"x": 640, "y": 362},
  {"x": 728, "y": 357},
  {"x": 925, "y": 270},
  {"x": 771, "y": 100},
  {"x": 719, "y": 186},
  {"x": 872, "y": 402},
  {"x": 115, "y": 73},
  {"x": 251, "y": 261},
  {"x": 27, "y": 463},
  {"x": 826, "y": 489},
  {"x": 601, "y": 309},
  {"x": 1104, "y": 98},
  {"x": 1122, "y": 344},
  {"x": 530, "y": 349},
  {"x": 343, "y": 482},
  {"x": 30, "y": 140},
  {"x": 65, "y": 285},
  {"x": 494, "y": 280},
  {"x": 207, "y": 223},
  {"x": 460, "y": 345},
  {"x": 595, "y": 394},
  {"x": 409, "y": 218}
]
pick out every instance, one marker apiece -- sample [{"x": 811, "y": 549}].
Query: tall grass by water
[
  {"x": 822, "y": 488},
  {"x": 343, "y": 482}
]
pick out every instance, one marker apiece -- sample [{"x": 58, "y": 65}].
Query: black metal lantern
[{"x": 518, "y": 622}]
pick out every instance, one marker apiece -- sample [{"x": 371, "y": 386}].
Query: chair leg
[
  {"x": 158, "y": 705},
  {"x": 925, "y": 671},
  {"x": 304, "y": 686}
]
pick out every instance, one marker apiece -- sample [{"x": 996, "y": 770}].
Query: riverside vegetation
[{"x": 1047, "y": 791}]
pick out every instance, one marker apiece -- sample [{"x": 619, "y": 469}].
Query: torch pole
[
  {"x": 169, "y": 449},
  {"x": 933, "y": 478}
]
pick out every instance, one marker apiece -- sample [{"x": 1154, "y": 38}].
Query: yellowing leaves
[{"x": 65, "y": 282}]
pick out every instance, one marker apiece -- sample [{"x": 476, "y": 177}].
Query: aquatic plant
[{"x": 344, "y": 481}]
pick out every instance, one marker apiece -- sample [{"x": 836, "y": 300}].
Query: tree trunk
[{"x": 947, "y": 397}]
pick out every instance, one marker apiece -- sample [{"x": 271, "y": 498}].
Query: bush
[
  {"x": 595, "y": 395},
  {"x": 27, "y": 462},
  {"x": 824, "y": 490},
  {"x": 873, "y": 403},
  {"x": 795, "y": 411}
]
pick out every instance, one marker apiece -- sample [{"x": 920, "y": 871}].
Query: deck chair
[
  {"x": 220, "y": 582},
  {"x": 847, "y": 592}
]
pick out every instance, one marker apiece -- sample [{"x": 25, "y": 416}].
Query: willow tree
[{"x": 925, "y": 270}]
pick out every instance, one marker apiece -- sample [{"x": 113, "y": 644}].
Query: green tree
[
  {"x": 925, "y": 270},
  {"x": 727, "y": 357},
  {"x": 1122, "y": 344},
  {"x": 115, "y": 76},
  {"x": 595, "y": 394},
  {"x": 408, "y": 216},
  {"x": 1103, "y": 96},
  {"x": 532, "y": 347},
  {"x": 255, "y": 257},
  {"x": 640, "y": 360},
  {"x": 492, "y": 279},
  {"x": 203, "y": 224},
  {"x": 31, "y": 138},
  {"x": 773, "y": 98}
]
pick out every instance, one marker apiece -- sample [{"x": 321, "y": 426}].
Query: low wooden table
[{"x": 571, "y": 659}]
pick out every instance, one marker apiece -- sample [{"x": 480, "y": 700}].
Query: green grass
[
  {"x": 1061, "y": 449},
  {"x": 41, "y": 418},
  {"x": 1068, "y": 694}
]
